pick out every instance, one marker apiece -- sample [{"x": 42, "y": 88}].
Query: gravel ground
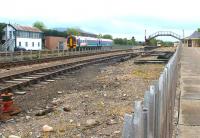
[{"x": 96, "y": 98}]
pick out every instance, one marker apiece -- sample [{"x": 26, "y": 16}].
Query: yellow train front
[{"x": 71, "y": 41}]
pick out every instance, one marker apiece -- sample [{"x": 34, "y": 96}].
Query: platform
[{"x": 189, "y": 119}]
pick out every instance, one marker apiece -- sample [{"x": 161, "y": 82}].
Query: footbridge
[{"x": 163, "y": 33}]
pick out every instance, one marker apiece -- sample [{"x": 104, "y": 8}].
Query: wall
[
  {"x": 7, "y": 29},
  {"x": 29, "y": 40},
  {"x": 52, "y": 42}
]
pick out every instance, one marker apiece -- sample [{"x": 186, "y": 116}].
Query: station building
[
  {"x": 193, "y": 40},
  {"x": 25, "y": 37}
]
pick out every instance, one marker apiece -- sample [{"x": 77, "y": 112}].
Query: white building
[{"x": 22, "y": 37}]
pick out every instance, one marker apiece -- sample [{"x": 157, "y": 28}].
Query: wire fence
[{"x": 153, "y": 118}]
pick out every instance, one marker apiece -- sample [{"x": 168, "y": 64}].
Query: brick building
[{"x": 55, "y": 42}]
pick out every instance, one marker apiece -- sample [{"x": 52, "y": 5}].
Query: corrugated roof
[
  {"x": 195, "y": 35},
  {"x": 26, "y": 28}
]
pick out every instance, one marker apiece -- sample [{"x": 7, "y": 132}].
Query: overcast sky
[{"x": 120, "y": 18}]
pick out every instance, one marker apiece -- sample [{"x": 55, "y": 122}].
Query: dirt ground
[{"x": 96, "y": 98}]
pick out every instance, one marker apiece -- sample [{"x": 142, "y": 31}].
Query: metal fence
[
  {"x": 29, "y": 55},
  {"x": 153, "y": 118}
]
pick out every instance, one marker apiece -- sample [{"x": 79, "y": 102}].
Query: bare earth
[{"x": 102, "y": 92}]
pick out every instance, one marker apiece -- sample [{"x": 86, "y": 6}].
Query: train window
[
  {"x": 20, "y": 43},
  {"x": 32, "y": 44},
  {"x": 26, "y": 44}
]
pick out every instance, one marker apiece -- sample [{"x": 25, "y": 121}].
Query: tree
[
  {"x": 153, "y": 42},
  {"x": 39, "y": 25},
  {"x": 107, "y": 36},
  {"x": 73, "y": 31},
  {"x": 2, "y": 25}
]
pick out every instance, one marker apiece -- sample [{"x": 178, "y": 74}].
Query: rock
[
  {"x": 105, "y": 95},
  {"x": 67, "y": 108},
  {"x": 111, "y": 122},
  {"x": 71, "y": 120},
  {"x": 13, "y": 136},
  {"x": 78, "y": 124},
  {"x": 116, "y": 132},
  {"x": 47, "y": 128},
  {"x": 44, "y": 112},
  {"x": 124, "y": 95},
  {"x": 28, "y": 117},
  {"x": 56, "y": 101},
  {"x": 59, "y": 92},
  {"x": 86, "y": 96},
  {"x": 104, "y": 86},
  {"x": 91, "y": 122},
  {"x": 20, "y": 93}
]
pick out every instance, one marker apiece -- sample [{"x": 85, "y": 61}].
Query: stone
[
  {"x": 44, "y": 112},
  {"x": 116, "y": 132},
  {"x": 71, "y": 120},
  {"x": 67, "y": 108},
  {"x": 28, "y": 117},
  {"x": 47, "y": 128},
  {"x": 111, "y": 122},
  {"x": 20, "y": 93},
  {"x": 59, "y": 92},
  {"x": 86, "y": 96},
  {"x": 56, "y": 101},
  {"x": 13, "y": 136},
  {"x": 91, "y": 122}
]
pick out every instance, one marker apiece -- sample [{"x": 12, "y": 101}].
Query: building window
[
  {"x": 38, "y": 44},
  {"x": 32, "y": 44},
  {"x": 20, "y": 44},
  {"x": 26, "y": 44}
]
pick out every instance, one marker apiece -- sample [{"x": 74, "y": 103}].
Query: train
[{"x": 82, "y": 41}]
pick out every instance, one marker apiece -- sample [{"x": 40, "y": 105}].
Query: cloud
[{"x": 121, "y": 18}]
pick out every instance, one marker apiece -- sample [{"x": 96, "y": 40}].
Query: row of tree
[{"x": 76, "y": 31}]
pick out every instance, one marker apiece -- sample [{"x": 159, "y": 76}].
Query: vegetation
[
  {"x": 2, "y": 25},
  {"x": 73, "y": 31},
  {"x": 50, "y": 32},
  {"x": 107, "y": 36},
  {"x": 40, "y": 25},
  {"x": 125, "y": 41}
]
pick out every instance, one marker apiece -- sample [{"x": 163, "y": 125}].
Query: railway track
[
  {"x": 26, "y": 78},
  {"x": 49, "y": 59}
]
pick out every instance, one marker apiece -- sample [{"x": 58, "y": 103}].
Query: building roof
[
  {"x": 195, "y": 35},
  {"x": 26, "y": 28}
]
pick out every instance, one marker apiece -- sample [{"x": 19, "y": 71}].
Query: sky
[{"x": 120, "y": 18}]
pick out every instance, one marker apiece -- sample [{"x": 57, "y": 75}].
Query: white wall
[
  {"x": 7, "y": 29},
  {"x": 29, "y": 40}
]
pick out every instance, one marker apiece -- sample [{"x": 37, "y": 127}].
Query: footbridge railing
[
  {"x": 163, "y": 33},
  {"x": 153, "y": 117}
]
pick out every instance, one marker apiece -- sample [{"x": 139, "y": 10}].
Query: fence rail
[
  {"x": 153, "y": 118},
  {"x": 29, "y": 55}
]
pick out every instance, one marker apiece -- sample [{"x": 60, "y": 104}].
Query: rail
[{"x": 153, "y": 118}]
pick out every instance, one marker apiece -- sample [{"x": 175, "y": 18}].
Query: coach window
[
  {"x": 38, "y": 44},
  {"x": 32, "y": 44},
  {"x": 20, "y": 43}
]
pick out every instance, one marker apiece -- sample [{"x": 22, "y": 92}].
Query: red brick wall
[{"x": 52, "y": 42}]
